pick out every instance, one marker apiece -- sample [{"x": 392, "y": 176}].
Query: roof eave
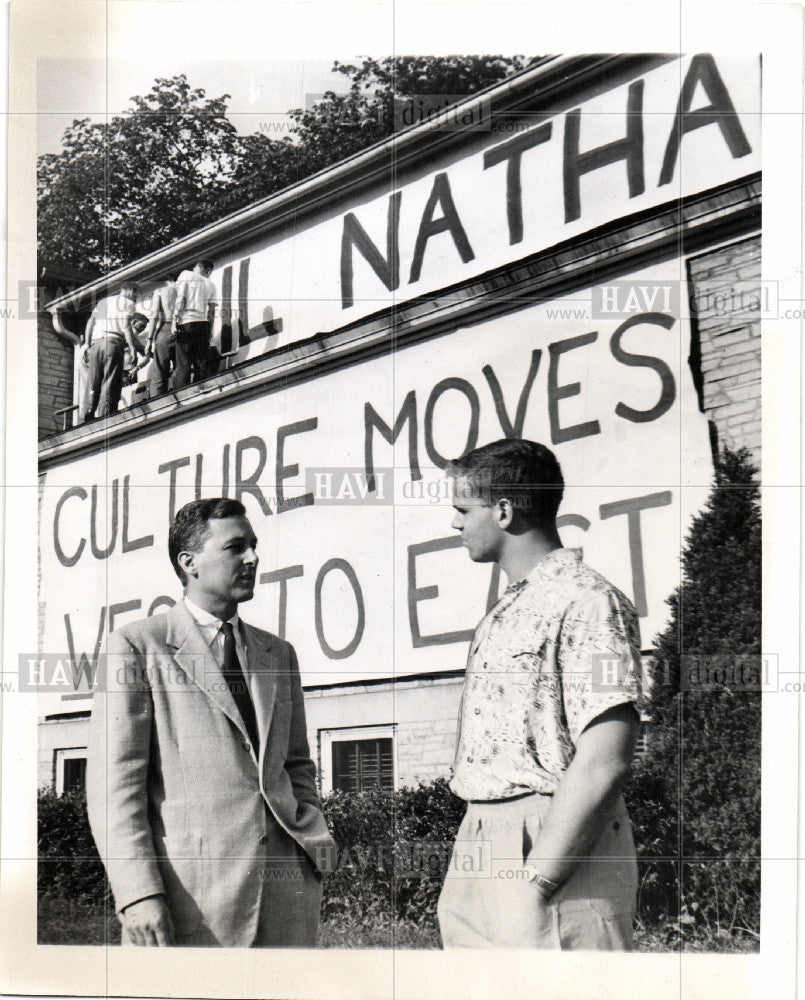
[{"x": 549, "y": 77}]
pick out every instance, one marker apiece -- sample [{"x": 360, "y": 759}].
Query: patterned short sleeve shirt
[{"x": 558, "y": 649}]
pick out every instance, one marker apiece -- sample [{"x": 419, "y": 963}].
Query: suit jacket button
[
  {"x": 264, "y": 839},
  {"x": 246, "y": 745}
]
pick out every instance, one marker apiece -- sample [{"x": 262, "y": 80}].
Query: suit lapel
[
  {"x": 194, "y": 656},
  {"x": 263, "y": 669}
]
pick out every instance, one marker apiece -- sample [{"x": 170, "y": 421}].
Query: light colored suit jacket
[{"x": 176, "y": 796}]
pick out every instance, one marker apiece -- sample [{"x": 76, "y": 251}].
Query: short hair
[
  {"x": 525, "y": 472},
  {"x": 190, "y": 528},
  {"x": 128, "y": 288},
  {"x": 206, "y": 263}
]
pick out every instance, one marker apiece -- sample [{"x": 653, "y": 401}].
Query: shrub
[
  {"x": 695, "y": 796},
  {"x": 68, "y": 862},
  {"x": 361, "y": 884},
  {"x": 429, "y": 817},
  {"x": 393, "y": 853},
  {"x": 382, "y": 836}
]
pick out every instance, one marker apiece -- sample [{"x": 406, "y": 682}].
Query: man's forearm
[
  {"x": 298, "y": 763},
  {"x": 585, "y": 796},
  {"x": 132, "y": 342},
  {"x": 302, "y": 772},
  {"x": 151, "y": 329},
  {"x": 579, "y": 810}
]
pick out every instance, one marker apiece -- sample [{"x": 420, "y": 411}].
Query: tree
[
  {"x": 350, "y": 122},
  {"x": 695, "y": 795},
  {"x": 122, "y": 188},
  {"x": 173, "y": 162}
]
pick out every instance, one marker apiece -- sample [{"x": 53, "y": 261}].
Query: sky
[
  {"x": 268, "y": 56},
  {"x": 261, "y": 91},
  {"x": 93, "y": 55}
]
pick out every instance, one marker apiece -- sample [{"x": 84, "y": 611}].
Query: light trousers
[{"x": 489, "y": 901}]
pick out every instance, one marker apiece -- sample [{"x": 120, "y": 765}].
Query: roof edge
[{"x": 551, "y": 77}]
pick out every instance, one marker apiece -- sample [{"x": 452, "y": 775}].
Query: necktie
[{"x": 233, "y": 675}]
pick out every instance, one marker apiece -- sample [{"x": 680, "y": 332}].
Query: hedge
[
  {"x": 393, "y": 853},
  {"x": 68, "y": 864}
]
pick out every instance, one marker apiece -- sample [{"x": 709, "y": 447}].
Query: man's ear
[
  {"x": 187, "y": 562},
  {"x": 505, "y": 513}
]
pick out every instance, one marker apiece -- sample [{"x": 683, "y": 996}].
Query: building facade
[{"x": 573, "y": 257}]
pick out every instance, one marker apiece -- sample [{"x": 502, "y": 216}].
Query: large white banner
[
  {"x": 371, "y": 582},
  {"x": 517, "y": 185}
]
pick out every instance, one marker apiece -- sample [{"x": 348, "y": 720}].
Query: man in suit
[{"x": 201, "y": 792}]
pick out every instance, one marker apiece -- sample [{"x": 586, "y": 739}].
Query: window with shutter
[
  {"x": 75, "y": 774},
  {"x": 362, "y": 764},
  {"x": 70, "y": 769}
]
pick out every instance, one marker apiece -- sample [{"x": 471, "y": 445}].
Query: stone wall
[
  {"x": 725, "y": 317},
  {"x": 422, "y": 713},
  {"x": 55, "y": 375}
]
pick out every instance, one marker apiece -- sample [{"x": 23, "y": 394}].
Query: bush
[
  {"x": 381, "y": 836},
  {"x": 428, "y": 816},
  {"x": 393, "y": 853},
  {"x": 361, "y": 884},
  {"x": 695, "y": 795},
  {"x": 69, "y": 865}
]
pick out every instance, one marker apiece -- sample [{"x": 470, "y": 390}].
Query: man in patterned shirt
[{"x": 548, "y": 724}]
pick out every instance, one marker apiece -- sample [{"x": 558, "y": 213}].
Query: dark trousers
[
  {"x": 159, "y": 375},
  {"x": 192, "y": 347},
  {"x": 105, "y": 376}
]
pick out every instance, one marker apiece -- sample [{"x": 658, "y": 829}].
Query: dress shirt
[
  {"x": 540, "y": 669},
  {"x": 210, "y": 628}
]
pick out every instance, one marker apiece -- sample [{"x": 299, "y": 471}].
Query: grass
[
  {"x": 63, "y": 921},
  {"x": 702, "y": 941},
  {"x": 354, "y": 934}
]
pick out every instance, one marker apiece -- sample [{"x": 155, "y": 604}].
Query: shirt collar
[
  {"x": 552, "y": 564},
  {"x": 205, "y": 620}
]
